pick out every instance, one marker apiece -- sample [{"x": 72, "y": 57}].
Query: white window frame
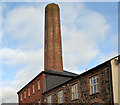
[
  {"x": 75, "y": 91},
  {"x": 21, "y": 97},
  {"x": 49, "y": 99},
  {"x": 24, "y": 94},
  {"x": 28, "y": 91},
  {"x": 94, "y": 84},
  {"x": 33, "y": 87},
  {"x": 60, "y": 96},
  {"x": 45, "y": 100},
  {"x": 38, "y": 84}
]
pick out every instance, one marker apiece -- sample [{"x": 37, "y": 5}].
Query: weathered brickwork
[
  {"x": 54, "y": 79},
  {"x": 83, "y": 81},
  {"x": 48, "y": 80},
  {"x": 34, "y": 97},
  {"x": 53, "y": 46}
]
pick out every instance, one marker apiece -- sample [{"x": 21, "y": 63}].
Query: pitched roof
[
  {"x": 64, "y": 73},
  {"x": 108, "y": 61},
  {"x": 52, "y": 72}
]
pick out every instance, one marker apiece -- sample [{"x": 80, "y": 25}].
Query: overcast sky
[{"x": 89, "y": 37}]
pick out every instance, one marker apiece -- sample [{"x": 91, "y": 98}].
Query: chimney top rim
[{"x": 52, "y": 4}]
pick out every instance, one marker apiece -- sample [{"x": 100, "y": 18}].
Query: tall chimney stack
[{"x": 53, "y": 47}]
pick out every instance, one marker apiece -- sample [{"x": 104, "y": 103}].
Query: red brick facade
[{"x": 34, "y": 97}]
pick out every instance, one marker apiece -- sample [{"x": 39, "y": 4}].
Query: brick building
[{"x": 55, "y": 85}]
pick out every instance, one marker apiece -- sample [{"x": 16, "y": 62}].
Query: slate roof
[
  {"x": 64, "y": 73},
  {"x": 52, "y": 72}
]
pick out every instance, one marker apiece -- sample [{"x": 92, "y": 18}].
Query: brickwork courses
[
  {"x": 63, "y": 80},
  {"x": 53, "y": 46},
  {"x": 103, "y": 96}
]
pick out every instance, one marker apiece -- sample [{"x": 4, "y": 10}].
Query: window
[
  {"x": 33, "y": 88},
  {"x": 39, "y": 102},
  {"x": 21, "y": 97},
  {"x": 44, "y": 100},
  {"x": 94, "y": 85},
  {"x": 60, "y": 96},
  {"x": 28, "y": 91},
  {"x": 38, "y": 84},
  {"x": 24, "y": 94},
  {"x": 49, "y": 100},
  {"x": 74, "y": 91}
]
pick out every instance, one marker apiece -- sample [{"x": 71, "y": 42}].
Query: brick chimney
[{"x": 53, "y": 47}]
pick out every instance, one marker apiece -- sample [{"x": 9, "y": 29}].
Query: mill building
[{"x": 97, "y": 85}]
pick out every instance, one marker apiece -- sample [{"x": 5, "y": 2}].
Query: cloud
[
  {"x": 9, "y": 95},
  {"x": 77, "y": 51},
  {"x": 82, "y": 37},
  {"x": 113, "y": 41},
  {"x": 22, "y": 77},
  {"x": 77, "y": 30},
  {"x": 10, "y": 88},
  {"x": 24, "y": 25},
  {"x": 14, "y": 57},
  {"x": 103, "y": 57},
  {"x": 33, "y": 61}
]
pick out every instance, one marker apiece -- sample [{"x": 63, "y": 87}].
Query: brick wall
[
  {"x": 53, "y": 46},
  {"x": 34, "y": 97},
  {"x": 103, "y": 96},
  {"x": 83, "y": 81}
]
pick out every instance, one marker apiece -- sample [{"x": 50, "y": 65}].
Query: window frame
[
  {"x": 33, "y": 88},
  {"x": 39, "y": 102},
  {"x": 94, "y": 82},
  {"x": 21, "y": 97},
  {"x": 60, "y": 96},
  {"x": 44, "y": 100},
  {"x": 28, "y": 91},
  {"x": 24, "y": 94},
  {"x": 49, "y": 101},
  {"x": 38, "y": 84},
  {"x": 74, "y": 92}
]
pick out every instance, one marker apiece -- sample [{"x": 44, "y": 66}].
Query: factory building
[{"x": 55, "y": 85}]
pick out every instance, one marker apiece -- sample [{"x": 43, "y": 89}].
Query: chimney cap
[{"x": 52, "y": 5}]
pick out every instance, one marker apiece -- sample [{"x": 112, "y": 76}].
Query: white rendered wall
[{"x": 116, "y": 80}]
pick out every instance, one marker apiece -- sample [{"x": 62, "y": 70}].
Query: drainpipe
[{"x": 111, "y": 85}]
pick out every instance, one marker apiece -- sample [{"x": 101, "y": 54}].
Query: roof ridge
[{"x": 70, "y": 72}]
